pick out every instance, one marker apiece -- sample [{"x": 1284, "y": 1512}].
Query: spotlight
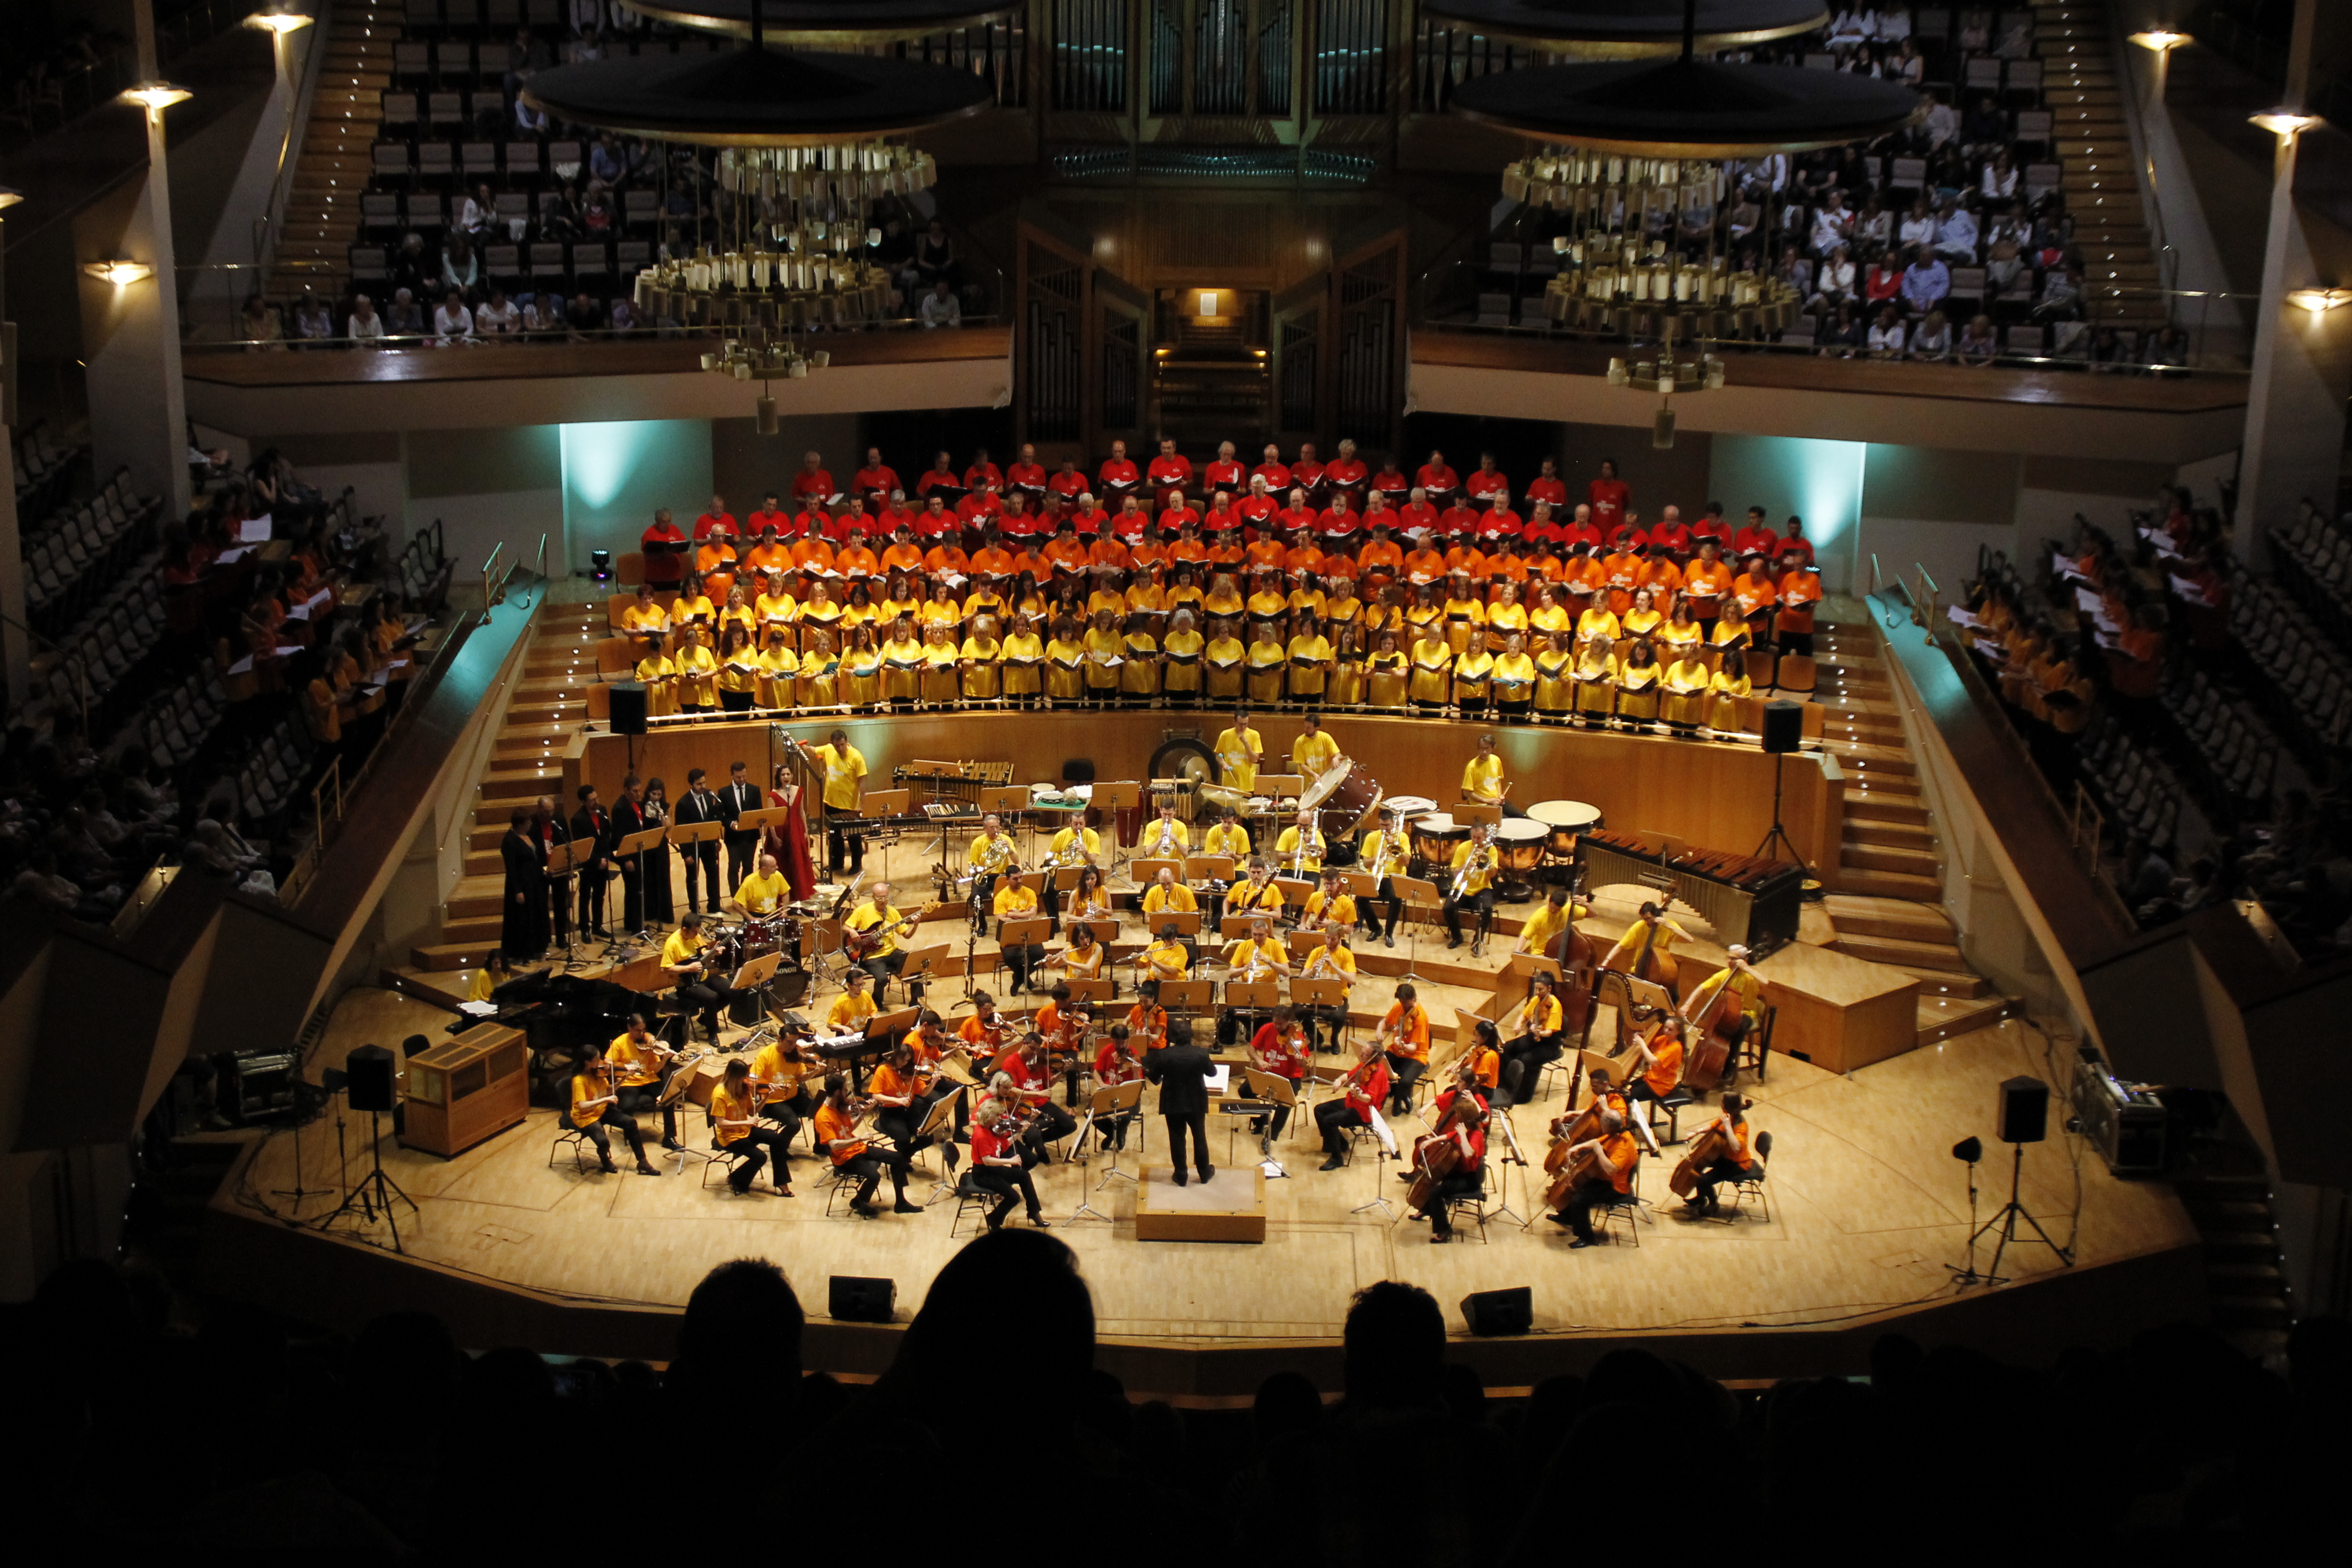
[
  {"x": 1969, "y": 1149},
  {"x": 600, "y": 564}
]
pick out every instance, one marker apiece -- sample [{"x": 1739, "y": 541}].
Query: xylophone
[{"x": 1746, "y": 898}]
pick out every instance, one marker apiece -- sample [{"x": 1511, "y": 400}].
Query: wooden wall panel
[{"x": 1716, "y": 796}]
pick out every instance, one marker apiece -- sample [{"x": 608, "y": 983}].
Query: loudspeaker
[
  {"x": 2024, "y": 1111},
  {"x": 371, "y": 1080},
  {"x": 1078, "y": 770},
  {"x": 853, "y": 1299},
  {"x": 628, "y": 707},
  {"x": 1509, "y": 1311},
  {"x": 1784, "y": 725}
]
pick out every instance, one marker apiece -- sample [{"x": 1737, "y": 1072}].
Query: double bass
[
  {"x": 1709, "y": 1147},
  {"x": 1577, "y": 958},
  {"x": 1438, "y": 1156}
]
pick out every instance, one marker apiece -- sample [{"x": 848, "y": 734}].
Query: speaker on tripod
[{"x": 370, "y": 1087}]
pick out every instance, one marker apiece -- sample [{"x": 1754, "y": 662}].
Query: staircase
[
  {"x": 2245, "y": 1285},
  {"x": 331, "y": 159},
  {"x": 2075, "y": 41},
  {"x": 1889, "y": 905},
  {"x": 550, "y": 702}
]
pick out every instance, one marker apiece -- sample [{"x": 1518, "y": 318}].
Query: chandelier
[{"x": 1617, "y": 274}]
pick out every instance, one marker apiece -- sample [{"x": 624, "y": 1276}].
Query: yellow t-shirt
[
  {"x": 584, "y": 1087},
  {"x": 725, "y": 1107},
  {"x": 1290, "y": 855},
  {"x": 632, "y": 1068},
  {"x": 865, "y": 917},
  {"x": 849, "y": 1012},
  {"x": 1482, "y": 777},
  {"x": 1480, "y": 879},
  {"x": 1233, "y": 756},
  {"x": 679, "y": 948},
  {"x": 1310, "y": 754},
  {"x": 844, "y": 774},
  {"x": 1223, "y": 840},
  {"x": 1158, "y": 900},
  {"x": 1166, "y": 960},
  {"x": 761, "y": 894}
]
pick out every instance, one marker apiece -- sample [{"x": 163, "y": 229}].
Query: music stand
[
  {"x": 1275, "y": 1091},
  {"x": 1089, "y": 990},
  {"x": 1360, "y": 886},
  {"x": 1028, "y": 930},
  {"x": 1324, "y": 997},
  {"x": 1470, "y": 812},
  {"x": 755, "y": 974},
  {"x": 374, "y": 1189},
  {"x": 1417, "y": 895},
  {"x": 922, "y": 964},
  {"x": 1186, "y": 998},
  {"x": 939, "y": 1124},
  {"x": 1295, "y": 890},
  {"x": 1233, "y": 926},
  {"x": 1112, "y": 1100},
  {"x": 1143, "y": 872},
  {"x": 1208, "y": 868},
  {"x": 563, "y": 861},
  {"x": 633, "y": 846}
]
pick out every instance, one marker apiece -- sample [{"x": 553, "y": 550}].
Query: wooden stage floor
[{"x": 1868, "y": 1207}]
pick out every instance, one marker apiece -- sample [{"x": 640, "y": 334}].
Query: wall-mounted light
[
  {"x": 9, "y": 199},
  {"x": 1208, "y": 304},
  {"x": 2319, "y": 301},
  {"x": 155, "y": 97},
  {"x": 119, "y": 273},
  {"x": 280, "y": 22},
  {"x": 2283, "y": 123},
  {"x": 2160, "y": 39}
]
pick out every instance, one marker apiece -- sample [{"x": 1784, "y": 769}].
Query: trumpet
[
  {"x": 1324, "y": 968},
  {"x": 1164, "y": 843}
]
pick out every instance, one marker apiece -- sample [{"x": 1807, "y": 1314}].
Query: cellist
[
  {"x": 1463, "y": 1121},
  {"x": 1643, "y": 951},
  {"x": 1609, "y": 1178},
  {"x": 1737, "y": 1163}
]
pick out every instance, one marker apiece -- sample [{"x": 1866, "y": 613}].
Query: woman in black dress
[
  {"x": 522, "y": 930},
  {"x": 657, "y": 894}
]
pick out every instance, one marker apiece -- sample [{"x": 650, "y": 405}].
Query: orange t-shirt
[
  {"x": 1666, "y": 1069},
  {"x": 1411, "y": 1032}
]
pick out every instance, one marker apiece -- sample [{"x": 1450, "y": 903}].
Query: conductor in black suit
[
  {"x": 742, "y": 847},
  {"x": 1182, "y": 1074},
  {"x": 701, "y": 805}
]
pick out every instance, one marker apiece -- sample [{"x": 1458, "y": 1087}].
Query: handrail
[
  {"x": 558, "y": 334},
  {"x": 266, "y": 227},
  {"x": 1927, "y": 609},
  {"x": 540, "y": 570},
  {"x": 1875, "y": 579},
  {"x": 487, "y": 568}
]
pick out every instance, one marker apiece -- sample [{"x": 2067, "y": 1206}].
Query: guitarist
[
  {"x": 873, "y": 929},
  {"x": 1463, "y": 1119}
]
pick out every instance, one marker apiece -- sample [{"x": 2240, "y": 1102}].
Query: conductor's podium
[{"x": 1228, "y": 1206}]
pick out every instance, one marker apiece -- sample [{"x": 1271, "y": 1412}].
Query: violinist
[
  {"x": 982, "y": 1034},
  {"x": 1280, "y": 1047},
  {"x": 595, "y": 1106},
  {"x": 1031, "y": 1089},
  {"x": 1014, "y": 901},
  {"x": 735, "y": 1122},
  {"x": 1001, "y": 1168},
  {"x": 1738, "y": 1162},
  {"x": 1609, "y": 1180},
  {"x": 1546, "y": 1037},
  {"x": 837, "y": 1135},
  {"x": 1657, "y": 1061},
  {"x": 1147, "y": 1021},
  {"x": 1462, "y": 1119},
  {"x": 641, "y": 1067},
  {"x": 901, "y": 1091},
  {"x": 781, "y": 1070},
  {"x": 1482, "y": 1060},
  {"x": 1115, "y": 1065},
  {"x": 1404, "y": 1043},
  {"x": 1366, "y": 1084}
]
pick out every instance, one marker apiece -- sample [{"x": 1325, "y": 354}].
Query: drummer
[
  {"x": 761, "y": 893},
  {"x": 1384, "y": 855},
  {"x": 1483, "y": 783},
  {"x": 1314, "y": 753}
]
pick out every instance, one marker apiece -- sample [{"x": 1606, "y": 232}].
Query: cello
[
  {"x": 1578, "y": 960},
  {"x": 1709, "y": 1147},
  {"x": 1567, "y": 1174},
  {"x": 1437, "y": 1155}
]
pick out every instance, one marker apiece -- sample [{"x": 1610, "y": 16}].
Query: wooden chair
[{"x": 1796, "y": 672}]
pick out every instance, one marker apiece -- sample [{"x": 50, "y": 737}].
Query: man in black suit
[
  {"x": 699, "y": 804},
  {"x": 591, "y": 825},
  {"x": 1182, "y": 1074},
  {"x": 629, "y": 816},
  {"x": 743, "y": 848}
]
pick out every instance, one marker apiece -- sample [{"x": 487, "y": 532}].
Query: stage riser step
[
  {"x": 1892, "y": 949},
  {"x": 1942, "y": 983},
  {"x": 1888, "y": 884},
  {"x": 1878, "y": 806},
  {"x": 1929, "y": 925},
  {"x": 1934, "y": 1030},
  {"x": 1892, "y": 835},
  {"x": 1881, "y": 857}
]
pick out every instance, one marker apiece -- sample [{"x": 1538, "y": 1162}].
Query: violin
[{"x": 1706, "y": 1149}]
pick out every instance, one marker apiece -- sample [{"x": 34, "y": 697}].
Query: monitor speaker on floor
[
  {"x": 371, "y": 1081},
  {"x": 1784, "y": 725},
  {"x": 1509, "y": 1311},
  {"x": 2024, "y": 1111},
  {"x": 855, "y": 1299},
  {"x": 628, "y": 707}
]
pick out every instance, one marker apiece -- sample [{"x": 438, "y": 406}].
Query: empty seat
[
  {"x": 389, "y": 159},
  {"x": 1983, "y": 75},
  {"x": 367, "y": 263},
  {"x": 2034, "y": 127},
  {"x": 1967, "y": 283},
  {"x": 412, "y": 62},
  {"x": 435, "y": 161},
  {"x": 2023, "y": 338},
  {"x": 563, "y": 159},
  {"x": 502, "y": 260},
  {"x": 547, "y": 260},
  {"x": 1493, "y": 309},
  {"x": 522, "y": 160},
  {"x": 491, "y": 61},
  {"x": 631, "y": 257},
  {"x": 2025, "y": 81},
  {"x": 504, "y": 16},
  {"x": 380, "y": 209},
  {"x": 1504, "y": 255},
  {"x": 398, "y": 109},
  {"x": 479, "y": 160},
  {"x": 427, "y": 209},
  {"x": 1907, "y": 174},
  {"x": 591, "y": 259},
  {"x": 641, "y": 207},
  {"x": 2043, "y": 177},
  {"x": 444, "y": 109},
  {"x": 424, "y": 15}
]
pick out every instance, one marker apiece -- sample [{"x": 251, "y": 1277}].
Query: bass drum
[{"x": 1342, "y": 799}]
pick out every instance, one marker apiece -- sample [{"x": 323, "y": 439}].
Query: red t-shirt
[
  {"x": 1089, "y": 523},
  {"x": 1305, "y": 473},
  {"x": 1276, "y": 475},
  {"x": 1288, "y": 1052},
  {"x": 1255, "y": 509},
  {"x": 1172, "y": 518},
  {"x": 1339, "y": 522},
  {"x": 1029, "y": 477},
  {"x": 1416, "y": 515},
  {"x": 931, "y": 480},
  {"x": 1369, "y": 1092},
  {"x": 1587, "y": 533},
  {"x": 1225, "y": 474},
  {"x": 817, "y": 486},
  {"x": 1608, "y": 497},
  {"x": 1481, "y": 484},
  {"x": 1746, "y": 542},
  {"x": 1170, "y": 473},
  {"x": 1119, "y": 475},
  {"x": 1345, "y": 473},
  {"x": 781, "y": 521},
  {"x": 1800, "y": 547},
  {"x": 1437, "y": 479},
  {"x": 872, "y": 482},
  {"x": 1551, "y": 489},
  {"x": 1624, "y": 537},
  {"x": 1458, "y": 518},
  {"x": 706, "y": 525},
  {"x": 1069, "y": 486},
  {"x": 1291, "y": 519},
  {"x": 982, "y": 473},
  {"x": 1675, "y": 536},
  {"x": 1499, "y": 522}
]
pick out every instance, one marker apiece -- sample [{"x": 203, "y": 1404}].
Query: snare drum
[
  {"x": 1564, "y": 820},
  {"x": 1434, "y": 836},
  {"x": 1518, "y": 858}
]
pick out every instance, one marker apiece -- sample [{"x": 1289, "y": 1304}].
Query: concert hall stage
[{"x": 1868, "y": 1207}]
